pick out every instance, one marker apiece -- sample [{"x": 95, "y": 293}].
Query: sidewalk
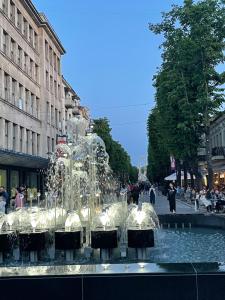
[{"x": 162, "y": 206}]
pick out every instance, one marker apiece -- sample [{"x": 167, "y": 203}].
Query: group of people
[
  {"x": 18, "y": 200},
  {"x": 135, "y": 190}
]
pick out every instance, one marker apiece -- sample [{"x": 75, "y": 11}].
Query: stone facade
[{"x": 34, "y": 96}]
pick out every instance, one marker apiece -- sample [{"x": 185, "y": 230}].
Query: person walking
[
  {"x": 19, "y": 198},
  {"x": 5, "y": 195},
  {"x": 171, "y": 196},
  {"x": 152, "y": 194}
]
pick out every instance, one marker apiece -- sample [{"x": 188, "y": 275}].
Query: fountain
[{"x": 82, "y": 214}]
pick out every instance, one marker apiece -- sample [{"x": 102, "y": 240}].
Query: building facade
[{"x": 33, "y": 94}]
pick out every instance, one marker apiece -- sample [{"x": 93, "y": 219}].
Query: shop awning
[
  {"x": 173, "y": 177},
  {"x": 17, "y": 159}
]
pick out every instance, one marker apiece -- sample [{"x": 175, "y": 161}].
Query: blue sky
[{"x": 111, "y": 59}]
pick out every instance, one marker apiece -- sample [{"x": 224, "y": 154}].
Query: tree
[
  {"x": 188, "y": 81},
  {"x": 119, "y": 160}
]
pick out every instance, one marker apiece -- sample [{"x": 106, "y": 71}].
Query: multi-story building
[{"x": 33, "y": 108}]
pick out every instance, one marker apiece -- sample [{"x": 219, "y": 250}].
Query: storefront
[{"x": 18, "y": 169}]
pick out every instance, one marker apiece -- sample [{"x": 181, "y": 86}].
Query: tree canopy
[{"x": 119, "y": 160}]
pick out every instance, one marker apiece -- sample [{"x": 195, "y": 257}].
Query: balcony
[
  {"x": 218, "y": 153},
  {"x": 69, "y": 103}
]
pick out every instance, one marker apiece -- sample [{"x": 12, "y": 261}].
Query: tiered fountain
[{"x": 82, "y": 212}]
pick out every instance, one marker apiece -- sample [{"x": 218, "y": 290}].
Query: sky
[{"x": 111, "y": 59}]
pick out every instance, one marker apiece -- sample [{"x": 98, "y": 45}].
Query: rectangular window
[
  {"x": 6, "y": 84},
  {"x": 53, "y": 145},
  {"x": 6, "y": 134},
  {"x": 48, "y": 144},
  {"x": 25, "y": 63},
  {"x": 56, "y": 117},
  {"x": 50, "y": 55},
  {"x": 38, "y": 108},
  {"x": 13, "y": 50},
  {"x": 47, "y": 80},
  {"x": 38, "y": 144},
  {"x": 60, "y": 121},
  {"x": 20, "y": 100},
  {"x": 14, "y": 136},
  {"x": 52, "y": 115},
  {"x": 27, "y": 141},
  {"x": 54, "y": 61},
  {"x": 19, "y": 20},
  {"x": 55, "y": 88},
  {"x": 25, "y": 28},
  {"x": 21, "y": 139},
  {"x": 27, "y": 100},
  {"x": 14, "y": 83},
  {"x": 12, "y": 11},
  {"x": 19, "y": 56},
  {"x": 59, "y": 92},
  {"x": 32, "y": 104},
  {"x": 58, "y": 65},
  {"x": 46, "y": 50},
  {"x": 5, "y": 6},
  {"x": 3, "y": 178},
  {"x": 31, "y": 32},
  {"x": 33, "y": 144},
  {"x": 4, "y": 41},
  {"x": 35, "y": 40},
  {"x": 48, "y": 111},
  {"x": 31, "y": 68},
  {"x": 36, "y": 73},
  {"x": 51, "y": 84}
]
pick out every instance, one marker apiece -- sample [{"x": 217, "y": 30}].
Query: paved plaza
[{"x": 162, "y": 205}]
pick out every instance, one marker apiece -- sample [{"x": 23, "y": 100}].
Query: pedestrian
[
  {"x": 2, "y": 205},
  {"x": 152, "y": 194},
  {"x": 197, "y": 196},
  {"x": 193, "y": 195},
  {"x": 135, "y": 193},
  {"x": 171, "y": 196},
  {"x": 19, "y": 198},
  {"x": 5, "y": 195}
]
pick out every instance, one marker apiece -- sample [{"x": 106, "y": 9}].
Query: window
[
  {"x": 52, "y": 115},
  {"x": 53, "y": 145},
  {"x": 59, "y": 92},
  {"x": 21, "y": 139},
  {"x": 6, "y": 134},
  {"x": 19, "y": 57},
  {"x": 14, "y": 83},
  {"x": 19, "y": 20},
  {"x": 13, "y": 50},
  {"x": 37, "y": 107},
  {"x": 31, "y": 70},
  {"x": 20, "y": 100},
  {"x": 48, "y": 111},
  {"x": 55, "y": 88},
  {"x": 36, "y": 73},
  {"x": 51, "y": 84},
  {"x": 58, "y": 65},
  {"x": 38, "y": 144},
  {"x": 27, "y": 99},
  {"x": 55, "y": 61},
  {"x": 56, "y": 117},
  {"x": 14, "y": 137},
  {"x": 50, "y": 55},
  {"x": 33, "y": 144},
  {"x": 47, "y": 80},
  {"x": 35, "y": 40},
  {"x": 5, "y": 6},
  {"x": 48, "y": 144},
  {"x": 32, "y": 104},
  {"x": 12, "y": 11},
  {"x": 4, "y": 41},
  {"x": 46, "y": 50},
  {"x": 3, "y": 178},
  {"x": 31, "y": 32},
  {"x": 25, "y": 62},
  {"x": 27, "y": 141},
  {"x": 6, "y": 84},
  {"x": 60, "y": 121},
  {"x": 25, "y": 28}
]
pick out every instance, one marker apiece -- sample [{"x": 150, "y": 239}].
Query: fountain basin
[
  {"x": 32, "y": 241},
  {"x": 140, "y": 238},
  {"x": 7, "y": 240},
  {"x": 104, "y": 239},
  {"x": 67, "y": 240}
]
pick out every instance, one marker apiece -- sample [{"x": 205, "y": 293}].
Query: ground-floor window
[
  {"x": 14, "y": 181},
  {"x": 3, "y": 178}
]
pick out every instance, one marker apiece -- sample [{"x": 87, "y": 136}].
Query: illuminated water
[{"x": 188, "y": 245}]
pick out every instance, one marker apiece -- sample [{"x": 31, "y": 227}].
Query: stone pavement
[{"x": 162, "y": 205}]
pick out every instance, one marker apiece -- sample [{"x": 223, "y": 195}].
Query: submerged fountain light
[{"x": 140, "y": 216}]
